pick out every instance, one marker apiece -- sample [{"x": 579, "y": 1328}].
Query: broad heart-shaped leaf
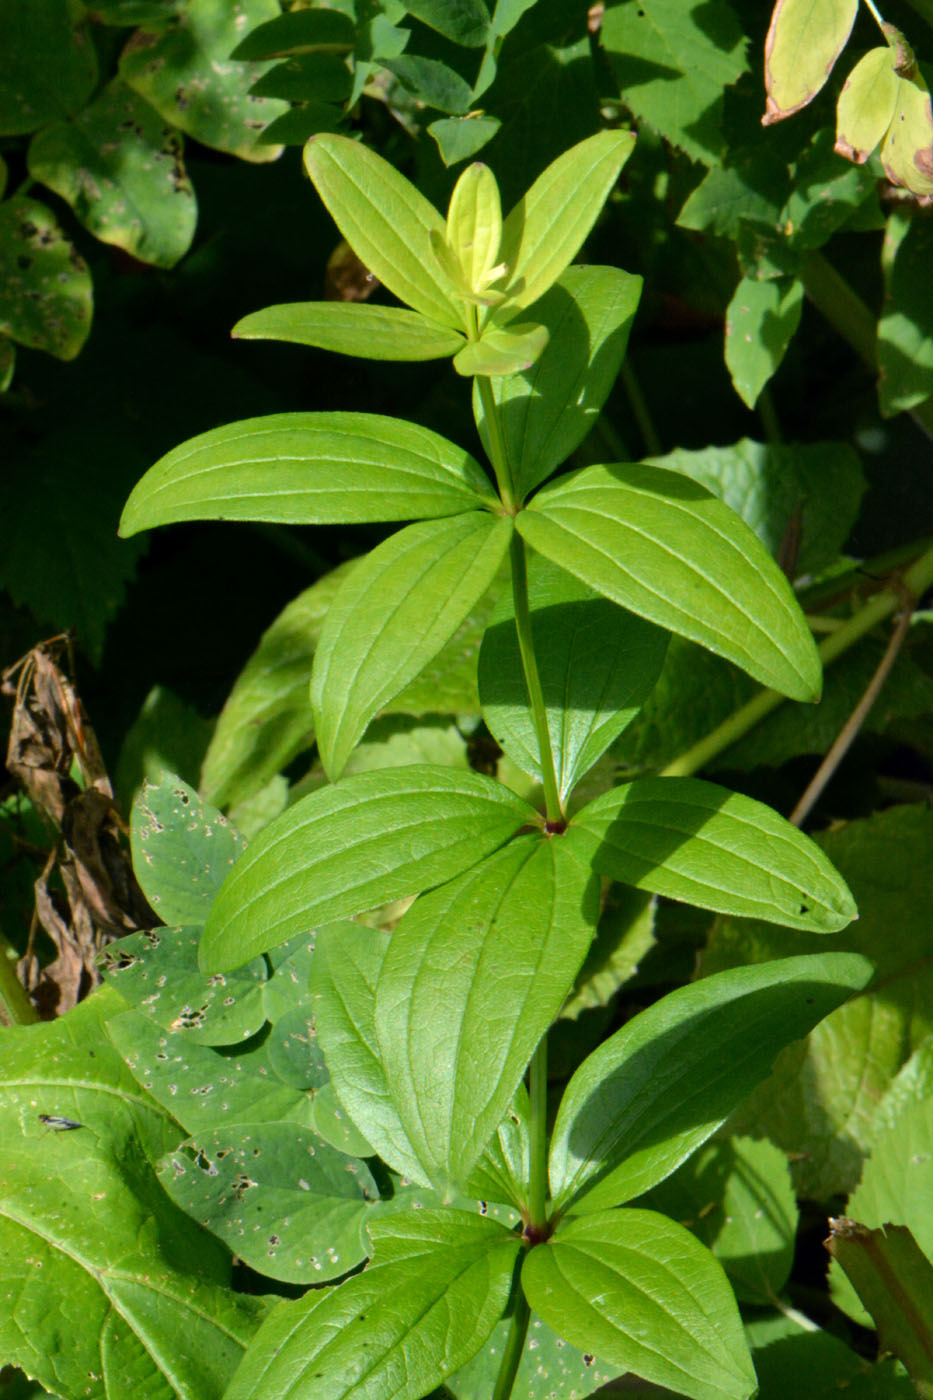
[
  {"x": 692, "y": 840},
  {"x": 183, "y": 849},
  {"x": 866, "y": 104},
  {"x": 347, "y": 961},
  {"x": 309, "y": 469},
  {"x": 475, "y": 973},
  {"x": 439, "y": 1283},
  {"x": 86, "y": 1232},
  {"x": 120, "y": 168},
  {"x": 369, "y": 839},
  {"x": 45, "y": 286},
  {"x": 546, "y": 411},
  {"x": 49, "y": 64},
  {"x": 597, "y": 663},
  {"x": 184, "y": 70},
  {"x": 643, "y": 1294},
  {"x": 761, "y": 320},
  {"x": 658, "y": 1088},
  {"x": 666, "y": 548},
  {"x": 369, "y": 332},
  {"x": 395, "y": 612},
  {"x": 387, "y": 223},
  {"x": 544, "y": 231},
  {"x": 804, "y": 40}
]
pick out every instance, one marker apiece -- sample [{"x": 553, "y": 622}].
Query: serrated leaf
[
  {"x": 672, "y": 62},
  {"x": 395, "y": 612},
  {"x": 369, "y": 332},
  {"x": 183, "y": 850},
  {"x": 309, "y": 468},
  {"x": 760, "y": 323},
  {"x": 49, "y": 64},
  {"x": 663, "y": 547},
  {"x": 266, "y": 720},
  {"x": 45, "y": 286},
  {"x": 286, "y": 1203},
  {"x": 596, "y": 663},
  {"x": 692, "y": 840},
  {"x": 643, "y": 1294},
  {"x": 546, "y": 228},
  {"x": 121, "y": 170},
  {"x": 503, "y": 350},
  {"x": 546, "y": 411},
  {"x": 185, "y": 72},
  {"x": 338, "y": 852},
  {"x": 866, "y": 105},
  {"x": 474, "y": 975},
  {"x": 387, "y": 223},
  {"x": 905, "y": 330},
  {"x": 438, "y": 1284},
  {"x": 804, "y": 40},
  {"x": 82, "y": 1219},
  {"x": 646, "y": 1099}
]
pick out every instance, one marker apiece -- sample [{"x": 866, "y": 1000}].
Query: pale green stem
[
  {"x": 876, "y": 15},
  {"x": 769, "y": 418},
  {"x": 917, "y": 579},
  {"x": 640, "y": 412},
  {"x": 514, "y": 1346},
  {"x": 537, "y": 1133},
  {"x": 552, "y": 804},
  {"x": 497, "y": 452},
  {"x": 15, "y": 1007}
]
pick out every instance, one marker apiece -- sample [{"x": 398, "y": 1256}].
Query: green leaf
[
  {"x": 597, "y": 663},
  {"x": 185, "y": 72},
  {"x": 794, "y": 1359},
  {"x": 132, "y": 12},
  {"x": 503, "y": 350},
  {"x": 804, "y": 41},
  {"x": 738, "y": 1198},
  {"x": 643, "y": 1294},
  {"x": 624, "y": 935},
  {"x": 347, "y": 962},
  {"x": 905, "y": 330},
  {"x": 337, "y": 853},
  {"x": 266, "y": 719},
  {"x": 825, "y": 195},
  {"x": 671, "y": 63},
  {"x": 663, "y": 547},
  {"x": 84, "y": 1223},
  {"x": 309, "y": 469},
  {"x": 369, "y": 332},
  {"x": 387, "y": 223},
  {"x": 907, "y": 149},
  {"x": 49, "y": 64},
  {"x": 394, "y": 613},
  {"x": 158, "y": 973},
  {"x": 474, "y": 975},
  {"x": 464, "y": 21},
  {"x": 866, "y": 104},
  {"x": 286, "y": 1203},
  {"x": 432, "y": 83},
  {"x": 474, "y": 224},
  {"x": 438, "y": 1284},
  {"x": 647, "y": 1098},
  {"x": 45, "y": 286},
  {"x": 459, "y": 138},
  {"x": 301, "y": 122},
  {"x": 760, "y": 324},
  {"x": 320, "y": 77},
  {"x": 120, "y": 168},
  {"x": 183, "y": 849},
  {"x": 7, "y": 363},
  {"x": 545, "y": 230},
  {"x": 297, "y": 31},
  {"x": 167, "y": 735},
  {"x": 748, "y": 190},
  {"x": 821, "y": 1102},
  {"x": 546, "y": 411},
  {"x": 692, "y": 840},
  {"x": 550, "y": 1368}
]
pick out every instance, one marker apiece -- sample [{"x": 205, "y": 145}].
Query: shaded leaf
[
  {"x": 432, "y": 83},
  {"x": 49, "y": 64},
  {"x": 550, "y": 1368},
  {"x": 464, "y": 21},
  {"x": 45, "y": 286},
  {"x": 297, "y": 31},
  {"x": 905, "y": 330},
  {"x": 760, "y": 324}
]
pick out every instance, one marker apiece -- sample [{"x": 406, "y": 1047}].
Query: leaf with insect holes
[{"x": 183, "y": 849}]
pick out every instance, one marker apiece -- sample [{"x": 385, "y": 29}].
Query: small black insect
[{"x": 60, "y": 1125}]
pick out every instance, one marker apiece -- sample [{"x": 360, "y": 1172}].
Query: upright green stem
[
  {"x": 640, "y": 411},
  {"x": 552, "y": 805},
  {"x": 537, "y": 1134},
  {"x": 497, "y": 452},
  {"x": 514, "y": 1346}
]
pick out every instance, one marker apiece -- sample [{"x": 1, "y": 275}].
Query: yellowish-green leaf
[
  {"x": 503, "y": 350},
  {"x": 804, "y": 40},
  {"x": 907, "y": 150},
  {"x": 474, "y": 223},
  {"x": 866, "y": 105},
  {"x": 352, "y": 328}
]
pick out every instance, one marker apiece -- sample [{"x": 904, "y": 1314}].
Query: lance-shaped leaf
[
  {"x": 394, "y": 613},
  {"x": 352, "y": 328},
  {"x": 642, "y": 1293},
  {"x": 701, "y": 843},
  {"x": 503, "y": 350},
  {"x": 666, "y": 548},
  {"x": 438, "y": 1284},
  {"x": 546, "y": 411},
  {"x": 545, "y": 230},
  {"x": 761, "y": 321},
  {"x": 369, "y": 839},
  {"x": 597, "y": 663},
  {"x": 474, "y": 224},
  {"x": 347, "y": 961},
  {"x": 387, "y": 223},
  {"x": 475, "y": 973},
  {"x": 866, "y": 105},
  {"x": 804, "y": 40},
  {"x": 309, "y": 469},
  {"x": 658, "y": 1088}
]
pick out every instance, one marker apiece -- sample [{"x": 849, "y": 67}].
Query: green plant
[{"x": 427, "y": 1034}]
